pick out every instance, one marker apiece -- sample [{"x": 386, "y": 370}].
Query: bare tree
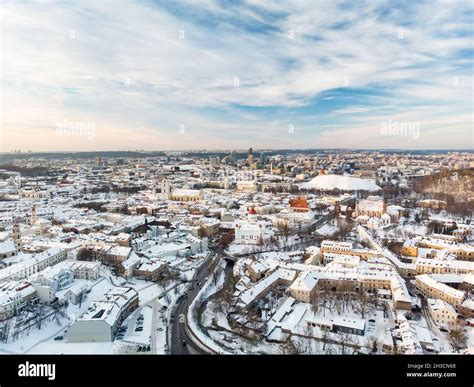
[
  {"x": 201, "y": 232},
  {"x": 82, "y": 296},
  {"x": 284, "y": 229},
  {"x": 363, "y": 303},
  {"x": 325, "y": 337},
  {"x": 374, "y": 346},
  {"x": 457, "y": 337},
  {"x": 345, "y": 341}
]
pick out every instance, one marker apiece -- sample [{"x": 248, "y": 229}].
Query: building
[
  {"x": 352, "y": 326},
  {"x": 14, "y": 297},
  {"x": 304, "y": 287},
  {"x": 8, "y": 249},
  {"x": 443, "y": 266},
  {"x": 431, "y": 288},
  {"x": 102, "y": 320},
  {"x": 372, "y": 207},
  {"x": 34, "y": 265},
  {"x": 441, "y": 312},
  {"x": 299, "y": 204},
  {"x": 150, "y": 269},
  {"x": 251, "y": 231}
]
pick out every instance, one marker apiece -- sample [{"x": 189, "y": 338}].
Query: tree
[
  {"x": 374, "y": 346},
  {"x": 284, "y": 229},
  {"x": 345, "y": 340},
  {"x": 40, "y": 312},
  {"x": 457, "y": 337},
  {"x": 363, "y": 303},
  {"x": 84, "y": 254},
  {"x": 260, "y": 243},
  {"x": 325, "y": 337},
  {"x": 201, "y": 232},
  {"x": 82, "y": 297},
  {"x": 226, "y": 239}
]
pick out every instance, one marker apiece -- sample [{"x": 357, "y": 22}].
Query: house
[
  {"x": 14, "y": 297},
  {"x": 441, "y": 312},
  {"x": 150, "y": 269},
  {"x": 76, "y": 293},
  {"x": 304, "y": 287}
]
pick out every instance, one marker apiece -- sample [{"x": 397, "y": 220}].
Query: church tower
[
  {"x": 165, "y": 189},
  {"x": 154, "y": 186},
  {"x": 252, "y": 215},
  {"x": 16, "y": 236},
  {"x": 33, "y": 215}
]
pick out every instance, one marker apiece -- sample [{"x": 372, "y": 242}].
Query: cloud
[{"x": 141, "y": 69}]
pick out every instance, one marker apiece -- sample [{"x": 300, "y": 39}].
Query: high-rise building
[{"x": 250, "y": 156}]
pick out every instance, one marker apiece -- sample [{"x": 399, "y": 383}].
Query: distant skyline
[{"x": 207, "y": 74}]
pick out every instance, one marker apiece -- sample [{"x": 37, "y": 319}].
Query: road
[{"x": 178, "y": 329}]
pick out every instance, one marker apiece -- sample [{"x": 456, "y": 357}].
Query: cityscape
[
  {"x": 274, "y": 252},
  {"x": 212, "y": 191}
]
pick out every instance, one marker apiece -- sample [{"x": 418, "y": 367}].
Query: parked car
[{"x": 58, "y": 338}]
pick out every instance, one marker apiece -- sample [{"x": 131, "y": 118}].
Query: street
[{"x": 178, "y": 329}]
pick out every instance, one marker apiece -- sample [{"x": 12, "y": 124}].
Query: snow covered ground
[
  {"x": 139, "y": 329},
  {"x": 343, "y": 183}
]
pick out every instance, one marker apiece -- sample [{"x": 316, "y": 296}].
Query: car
[
  {"x": 442, "y": 329},
  {"x": 172, "y": 320},
  {"x": 58, "y": 338},
  {"x": 183, "y": 342},
  {"x": 371, "y": 320},
  {"x": 159, "y": 329}
]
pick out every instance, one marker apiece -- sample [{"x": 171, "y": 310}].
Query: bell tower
[
  {"x": 33, "y": 215},
  {"x": 16, "y": 236}
]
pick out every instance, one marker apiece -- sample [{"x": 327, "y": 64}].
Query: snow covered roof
[
  {"x": 7, "y": 247},
  {"x": 448, "y": 290},
  {"x": 306, "y": 281}
]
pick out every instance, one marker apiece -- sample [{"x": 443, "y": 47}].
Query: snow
[
  {"x": 140, "y": 337},
  {"x": 344, "y": 183}
]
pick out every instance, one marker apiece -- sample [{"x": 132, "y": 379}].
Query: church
[
  {"x": 251, "y": 231},
  {"x": 180, "y": 194},
  {"x": 375, "y": 213},
  {"x": 372, "y": 212}
]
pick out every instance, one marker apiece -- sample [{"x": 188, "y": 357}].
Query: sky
[{"x": 208, "y": 74}]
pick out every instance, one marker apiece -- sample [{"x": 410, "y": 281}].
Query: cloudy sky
[{"x": 208, "y": 74}]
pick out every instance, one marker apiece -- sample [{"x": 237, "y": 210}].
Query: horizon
[
  {"x": 238, "y": 150},
  {"x": 84, "y": 76}
]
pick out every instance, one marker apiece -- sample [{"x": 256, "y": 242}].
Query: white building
[
  {"x": 34, "y": 264},
  {"x": 103, "y": 318}
]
